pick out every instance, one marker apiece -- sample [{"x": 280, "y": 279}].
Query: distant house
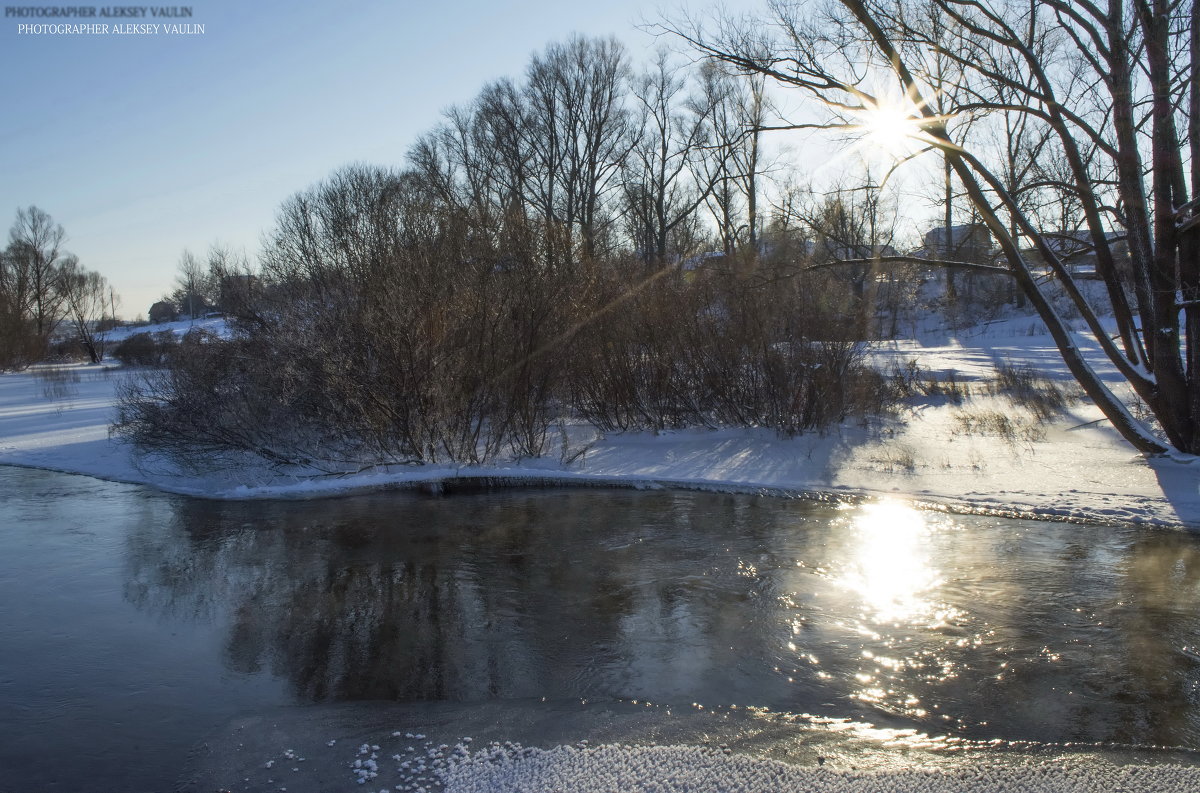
[
  {"x": 1076, "y": 251},
  {"x": 163, "y": 311},
  {"x": 969, "y": 242}
]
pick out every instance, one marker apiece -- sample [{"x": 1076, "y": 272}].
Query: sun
[{"x": 890, "y": 126}]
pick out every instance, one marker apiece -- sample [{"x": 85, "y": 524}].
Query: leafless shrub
[
  {"x": 1011, "y": 429},
  {"x": 390, "y": 333},
  {"x": 58, "y": 382},
  {"x": 393, "y": 333},
  {"x": 721, "y": 348},
  {"x": 146, "y": 349},
  {"x": 896, "y": 459},
  {"x": 905, "y": 378},
  {"x": 19, "y": 345},
  {"x": 217, "y": 397},
  {"x": 945, "y": 385},
  {"x": 1025, "y": 387},
  {"x": 911, "y": 380}
]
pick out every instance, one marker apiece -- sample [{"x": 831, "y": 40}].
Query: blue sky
[{"x": 141, "y": 146}]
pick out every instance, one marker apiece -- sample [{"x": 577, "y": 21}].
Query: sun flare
[{"x": 890, "y": 126}]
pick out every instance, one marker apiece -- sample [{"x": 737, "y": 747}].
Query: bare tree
[
  {"x": 193, "y": 290},
  {"x": 236, "y": 289},
  {"x": 34, "y": 256},
  {"x": 735, "y": 163},
  {"x": 662, "y": 191},
  {"x": 855, "y": 228},
  {"x": 86, "y": 295},
  {"x": 453, "y": 310},
  {"x": 579, "y": 134},
  {"x": 18, "y": 344},
  {"x": 539, "y": 157}
]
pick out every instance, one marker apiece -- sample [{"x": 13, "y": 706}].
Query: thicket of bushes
[
  {"x": 391, "y": 329},
  {"x": 147, "y": 349}
]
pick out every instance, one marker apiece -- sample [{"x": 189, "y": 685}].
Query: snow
[
  {"x": 1074, "y": 467},
  {"x": 529, "y": 746},
  {"x": 214, "y": 324},
  {"x": 675, "y": 769},
  {"x": 510, "y": 767}
]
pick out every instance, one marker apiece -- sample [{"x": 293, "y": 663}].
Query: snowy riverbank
[
  {"x": 934, "y": 451},
  {"x": 505, "y": 747}
]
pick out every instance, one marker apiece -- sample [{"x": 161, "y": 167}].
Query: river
[{"x": 134, "y": 623}]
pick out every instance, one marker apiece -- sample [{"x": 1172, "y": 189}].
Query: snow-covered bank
[
  {"x": 510, "y": 746},
  {"x": 935, "y": 451},
  {"x": 695, "y": 769}
]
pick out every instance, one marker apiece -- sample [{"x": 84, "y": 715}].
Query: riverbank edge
[{"x": 440, "y": 480}]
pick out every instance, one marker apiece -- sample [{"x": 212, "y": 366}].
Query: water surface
[{"x": 133, "y": 623}]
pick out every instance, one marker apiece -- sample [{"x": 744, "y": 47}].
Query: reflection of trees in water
[
  {"x": 681, "y": 597},
  {"x": 558, "y": 595},
  {"x": 171, "y": 566},
  {"x": 1089, "y": 623},
  {"x": 1157, "y": 668}
]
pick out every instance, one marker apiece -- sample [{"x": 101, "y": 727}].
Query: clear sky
[{"x": 143, "y": 145}]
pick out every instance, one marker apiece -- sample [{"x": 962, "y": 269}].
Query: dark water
[{"x": 133, "y": 623}]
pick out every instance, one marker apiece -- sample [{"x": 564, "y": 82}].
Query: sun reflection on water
[
  {"x": 877, "y": 612},
  {"x": 891, "y": 570},
  {"x": 891, "y": 576}
]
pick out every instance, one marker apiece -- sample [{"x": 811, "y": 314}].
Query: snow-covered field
[
  {"x": 213, "y": 324},
  {"x": 1072, "y": 467}
]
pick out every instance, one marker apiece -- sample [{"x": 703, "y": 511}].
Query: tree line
[
  {"x": 392, "y": 328},
  {"x": 599, "y": 159}
]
